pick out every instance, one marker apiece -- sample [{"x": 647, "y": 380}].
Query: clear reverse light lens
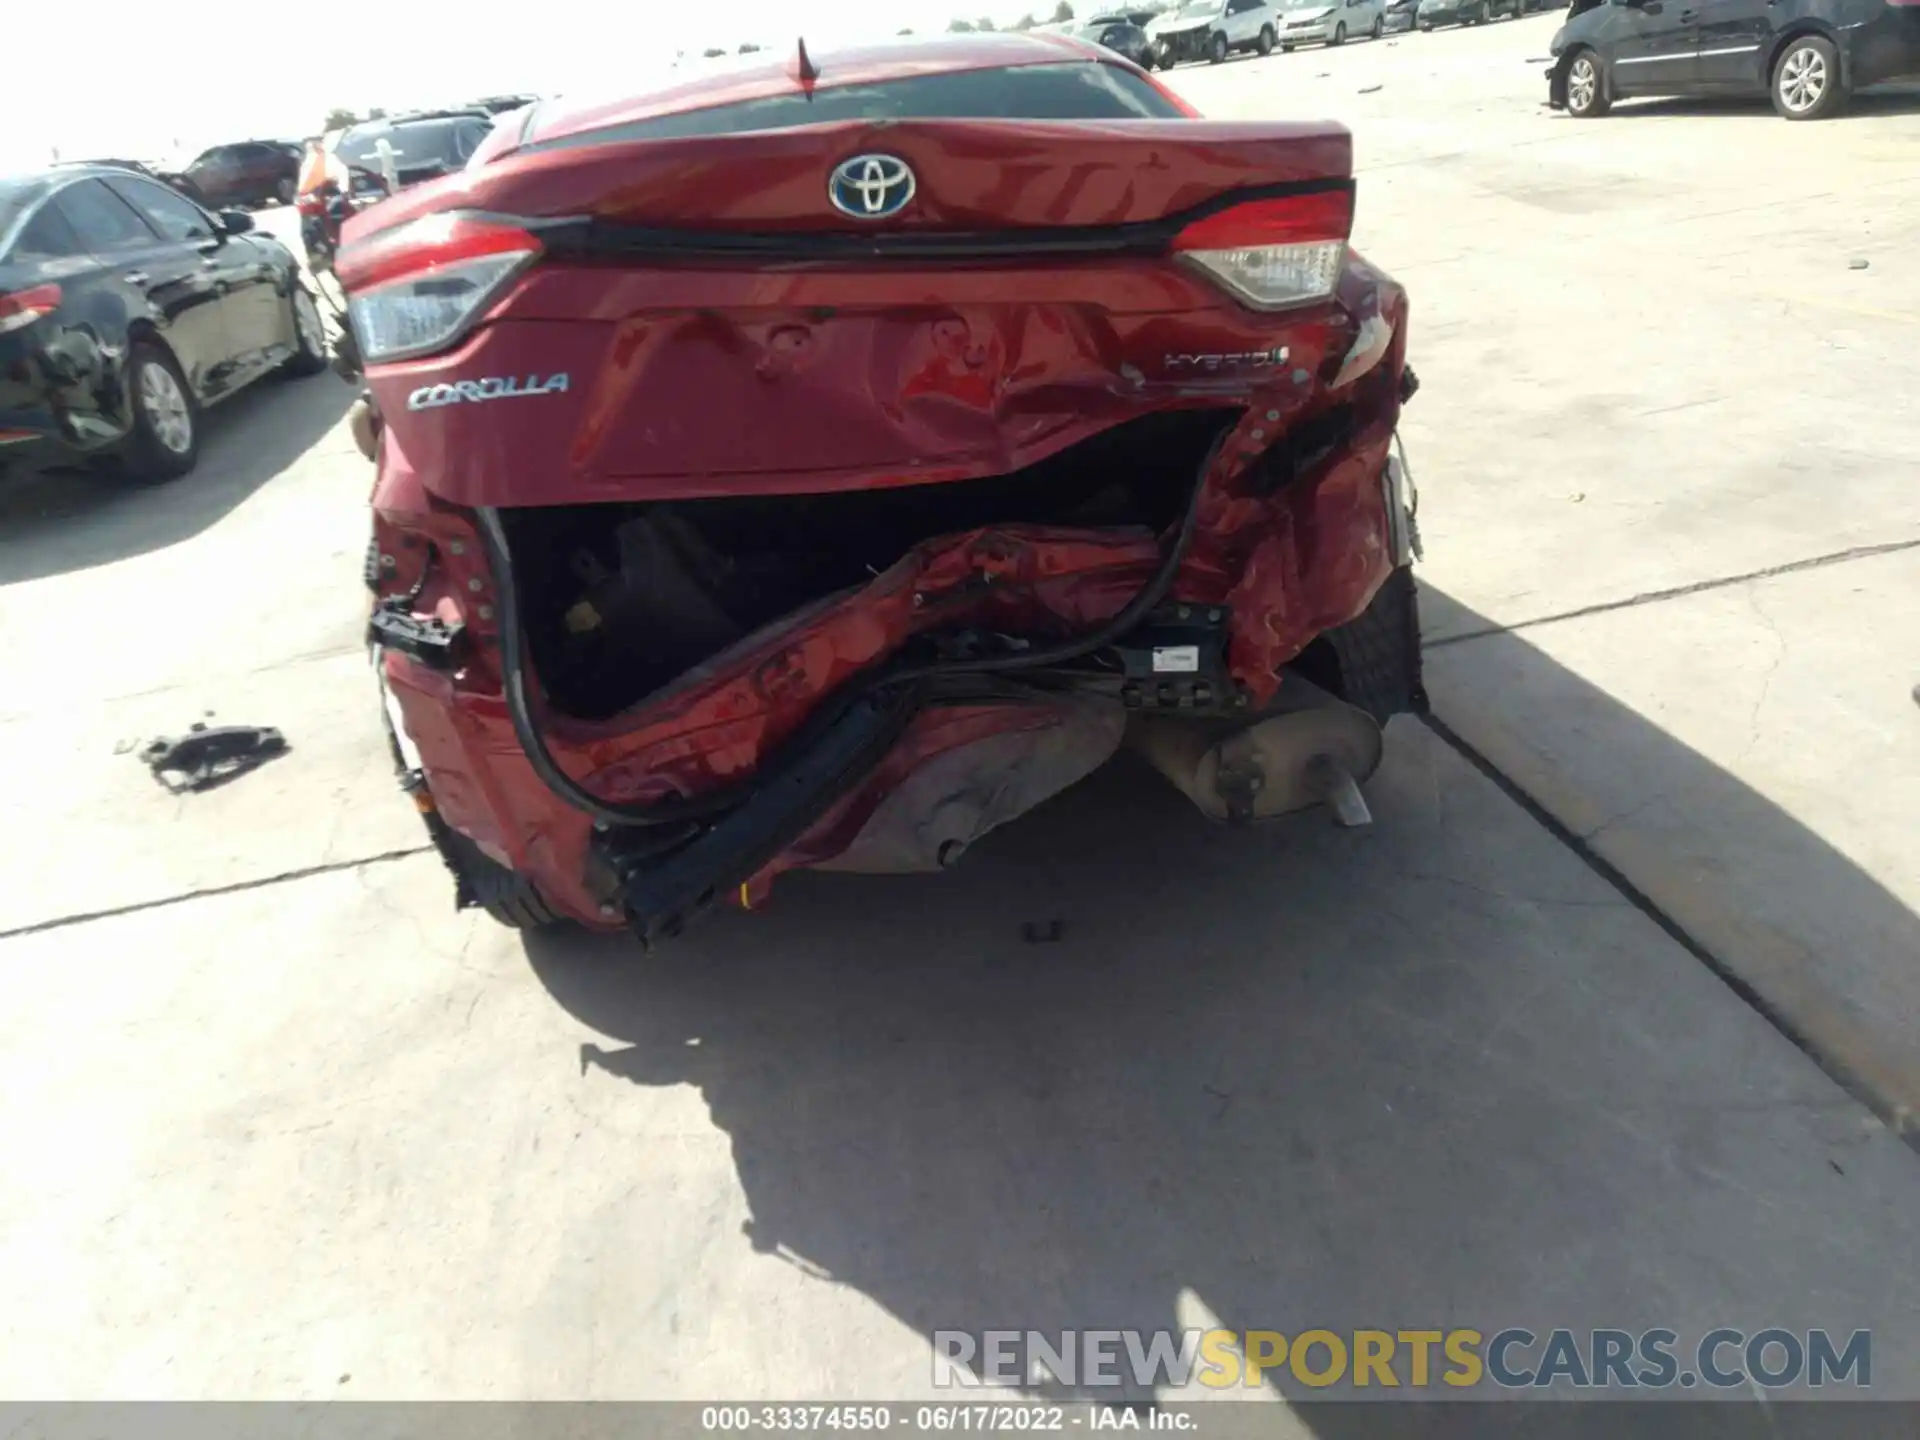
[
  {"x": 1271, "y": 277},
  {"x": 417, "y": 315}
]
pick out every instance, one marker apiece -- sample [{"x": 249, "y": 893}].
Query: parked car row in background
[
  {"x": 252, "y": 173},
  {"x": 1212, "y": 30},
  {"x": 1808, "y": 56}
]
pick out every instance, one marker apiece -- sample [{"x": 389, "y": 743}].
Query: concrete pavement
[
  {"x": 291, "y": 1127},
  {"x": 1651, "y": 366},
  {"x": 1436, "y": 1073},
  {"x": 1745, "y": 755}
]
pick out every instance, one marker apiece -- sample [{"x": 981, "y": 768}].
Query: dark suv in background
[
  {"x": 1121, "y": 34},
  {"x": 344, "y": 173},
  {"x": 250, "y": 173},
  {"x": 425, "y": 146}
]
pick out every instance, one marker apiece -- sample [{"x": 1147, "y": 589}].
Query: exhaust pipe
[{"x": 1310, "y": 749}]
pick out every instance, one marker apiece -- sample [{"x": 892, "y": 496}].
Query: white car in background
[
  {"x": 1213, "y": 29},
  {"x": 1330, "y": 22}
]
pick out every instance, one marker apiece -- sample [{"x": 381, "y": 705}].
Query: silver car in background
[
  {"x": 1330, "y": 22},
  {"x": 1213, "y": 29}
]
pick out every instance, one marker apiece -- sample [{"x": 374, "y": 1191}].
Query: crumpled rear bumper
[
  {"x": 1281, "y": 556},
  {"x": 1322, "y": 552}
]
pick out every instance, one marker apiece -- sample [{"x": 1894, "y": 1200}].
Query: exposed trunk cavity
[{"x": 620, "y": 599}]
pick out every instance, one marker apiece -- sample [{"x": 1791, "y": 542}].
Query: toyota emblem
[{"x": 871, "y": 187}]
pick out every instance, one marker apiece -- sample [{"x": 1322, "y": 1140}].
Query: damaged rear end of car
[{"x": 828, "y": 469}]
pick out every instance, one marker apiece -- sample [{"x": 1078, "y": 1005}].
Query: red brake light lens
[
  {"x": 1273, "y": 254},
  {"x": 417, "y": 288},
  {"x": 23, "y": 307}
]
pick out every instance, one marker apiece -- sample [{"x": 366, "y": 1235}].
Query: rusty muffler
[{"x": 1308, "y": 749}]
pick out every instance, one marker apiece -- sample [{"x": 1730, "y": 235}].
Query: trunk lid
[
  {"x": 703, "y": 319},
  {"x": 971, "y": 175}
]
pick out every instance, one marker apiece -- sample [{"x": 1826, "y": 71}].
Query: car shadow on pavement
[
  {"x": 1868, "y": 104},
  {"x": 67, "y": 520},
  {"x": 1428, "y": 1074}
]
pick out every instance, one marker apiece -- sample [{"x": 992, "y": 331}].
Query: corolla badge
[
  {"x": 871, "y": 187},
  {"x": 492, "y": 387}
]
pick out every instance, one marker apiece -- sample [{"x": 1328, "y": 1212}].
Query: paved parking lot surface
[
  {"x": 280, "y": 1123},
  {"x": 1652, "y": 366}
]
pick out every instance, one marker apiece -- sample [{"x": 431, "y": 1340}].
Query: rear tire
[
  {"x": 309, "y": 335},
  {"x": 513, "y": 900},
  {"x": 1379, "y": 651},
  {"x": 1379, "y": 28},
  {"x": 1806, "y": 82},
  {"x": 165, "y": 443},
  {"x": 1587, "y": 97},
  {"x": 506, "y": 895},
  {"x": 284, "y": 192},
  {"x": 1217, "y": 49},
  {"x": 1265, "y": 46}
]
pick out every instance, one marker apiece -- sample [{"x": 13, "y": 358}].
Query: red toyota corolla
[{"x": 824, "y": 463}]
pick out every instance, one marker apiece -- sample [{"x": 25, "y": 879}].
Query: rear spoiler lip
[
  {"x": 608, "y": 239},
  {"x": 1185, "y": 162}
]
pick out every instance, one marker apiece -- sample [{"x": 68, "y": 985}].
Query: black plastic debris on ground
[{"x": 206, "y": 757}]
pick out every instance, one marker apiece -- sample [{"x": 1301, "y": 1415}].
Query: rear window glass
[
  {"x": 1075, "y": 90},
  {"x": 16, "y": 198},
  {"x": 102, "y": 219},
  {"x": 46, "y": 237},
  {"x": 174, "y": 216}
]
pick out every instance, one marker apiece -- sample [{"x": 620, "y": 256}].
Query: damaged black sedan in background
[{"x": 1808, "y": 56}]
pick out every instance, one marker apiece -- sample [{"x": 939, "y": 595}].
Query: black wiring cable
[
  {"x": 1101, "y": 636},
  {"x": 513, "y": 673},
  {"x": 513, "y": 681}
]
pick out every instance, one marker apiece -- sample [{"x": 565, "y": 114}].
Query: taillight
[
  {"x": 23, "y": 307},
  {"x": 418, "y": 287},
  {"x": 1274, "y": 253}
]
